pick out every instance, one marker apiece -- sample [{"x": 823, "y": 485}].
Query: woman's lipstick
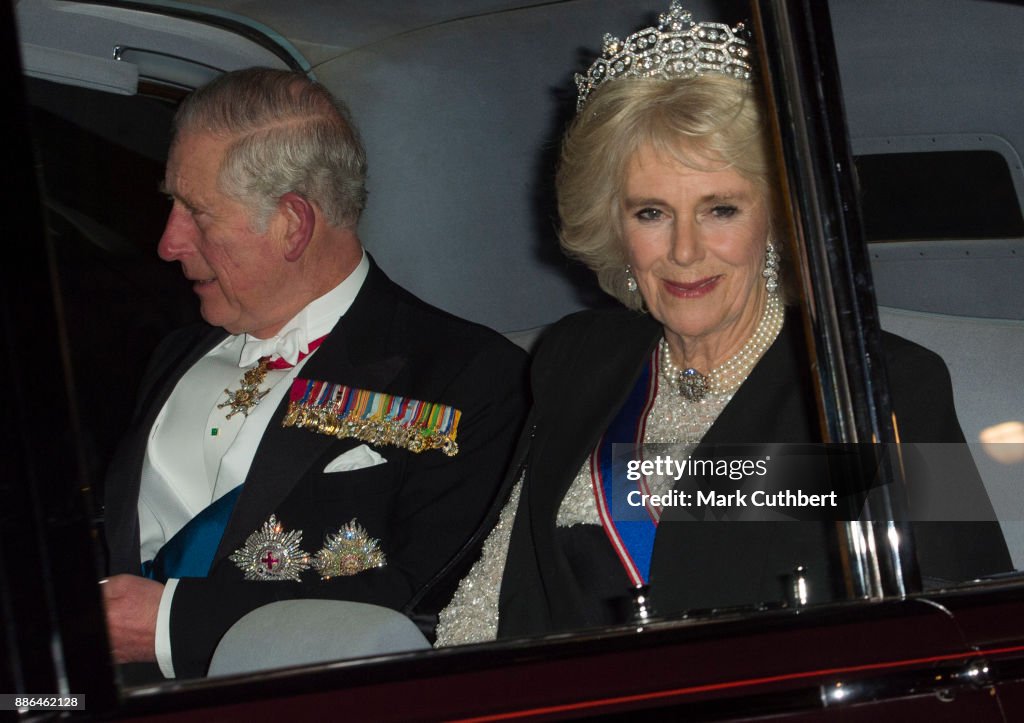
[{"x": 691, "y": 289}]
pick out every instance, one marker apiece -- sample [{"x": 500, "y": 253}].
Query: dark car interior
[
  {"x": 461, "y": 117},
  {"x": 461, "y": 105}
]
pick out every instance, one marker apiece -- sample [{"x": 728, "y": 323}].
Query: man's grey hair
[{"x": 286, "y": 133}]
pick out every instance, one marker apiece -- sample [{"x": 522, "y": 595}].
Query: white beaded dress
[{"x": 674, "y": 419}]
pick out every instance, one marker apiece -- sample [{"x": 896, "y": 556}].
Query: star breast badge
[
  {"x": 271, "y": 554},
  {"x": 347, "y": 552}
]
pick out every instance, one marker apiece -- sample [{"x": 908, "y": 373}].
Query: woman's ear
[{"x": 301, "y": 219}]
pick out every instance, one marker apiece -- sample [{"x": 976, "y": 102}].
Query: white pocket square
[{"x": 357, "y": 458}]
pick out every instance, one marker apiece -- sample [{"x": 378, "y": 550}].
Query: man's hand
[{"x": 132, "y": 603}]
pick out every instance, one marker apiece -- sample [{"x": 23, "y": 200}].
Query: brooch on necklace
[
  {"x": 727, "y": 376},
  {"x": 693, "y": 386},
  {"x": 690, "y": 383}
]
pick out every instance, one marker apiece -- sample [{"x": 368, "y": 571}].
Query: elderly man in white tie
[{"x": 327, "y": 434}]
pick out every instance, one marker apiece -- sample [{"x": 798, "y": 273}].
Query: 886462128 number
[{"x": 14, "y": 701}]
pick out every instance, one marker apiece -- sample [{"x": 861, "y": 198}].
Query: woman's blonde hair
[{"x": 707, "y": 122}]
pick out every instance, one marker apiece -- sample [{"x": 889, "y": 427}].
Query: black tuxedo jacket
[
  {"x": 428, "y": 510},
  {"x": 559, "y": 579}
]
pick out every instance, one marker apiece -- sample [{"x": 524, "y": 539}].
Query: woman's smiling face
[{"x": 696, "y": 242}]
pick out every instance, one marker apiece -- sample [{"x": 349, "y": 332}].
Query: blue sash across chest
[
  {"x": 630, "y": 528},
  {"x": 190, "y": 552}
]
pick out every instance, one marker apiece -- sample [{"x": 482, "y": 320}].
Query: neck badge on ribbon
[{"x": 249, "y": 395}]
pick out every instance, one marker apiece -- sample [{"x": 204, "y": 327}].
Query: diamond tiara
[{"x": 677, "y": 48}]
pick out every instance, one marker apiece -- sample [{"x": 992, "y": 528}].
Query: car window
[
  {"x": 102, "y": 162},
  {"x": 942, "y": 196},
  {"x": 950, "y": 287}
]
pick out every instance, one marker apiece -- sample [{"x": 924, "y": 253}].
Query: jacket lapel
[
  {"x": 174, "y": 368},
  {"x": 772, "y": 407},
  {"x": 768, "y": 407},
  {"x": 124, "y": 481},
  {"x": 585, "y": 405},
  {"x": 356, "y": 353},
  {"x": 581, "y": 401}
]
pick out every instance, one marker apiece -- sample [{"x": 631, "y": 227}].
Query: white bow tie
[{"x": 288, "y": 347}]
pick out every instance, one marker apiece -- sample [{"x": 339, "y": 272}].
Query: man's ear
[{"x": 301, "y": 219}]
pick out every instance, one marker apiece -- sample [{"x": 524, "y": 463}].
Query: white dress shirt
[{"x": 195, "y": 454}]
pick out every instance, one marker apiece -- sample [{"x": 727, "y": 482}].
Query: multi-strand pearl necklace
[{"x": 727, "y": 376}]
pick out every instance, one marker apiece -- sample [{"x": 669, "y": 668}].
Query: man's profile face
[{"x": 238, "y": 273}]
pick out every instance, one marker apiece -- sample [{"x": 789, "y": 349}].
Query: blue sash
[
  {"x": 190, "y": 552},
  {"x": 630, "y": 529}
]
